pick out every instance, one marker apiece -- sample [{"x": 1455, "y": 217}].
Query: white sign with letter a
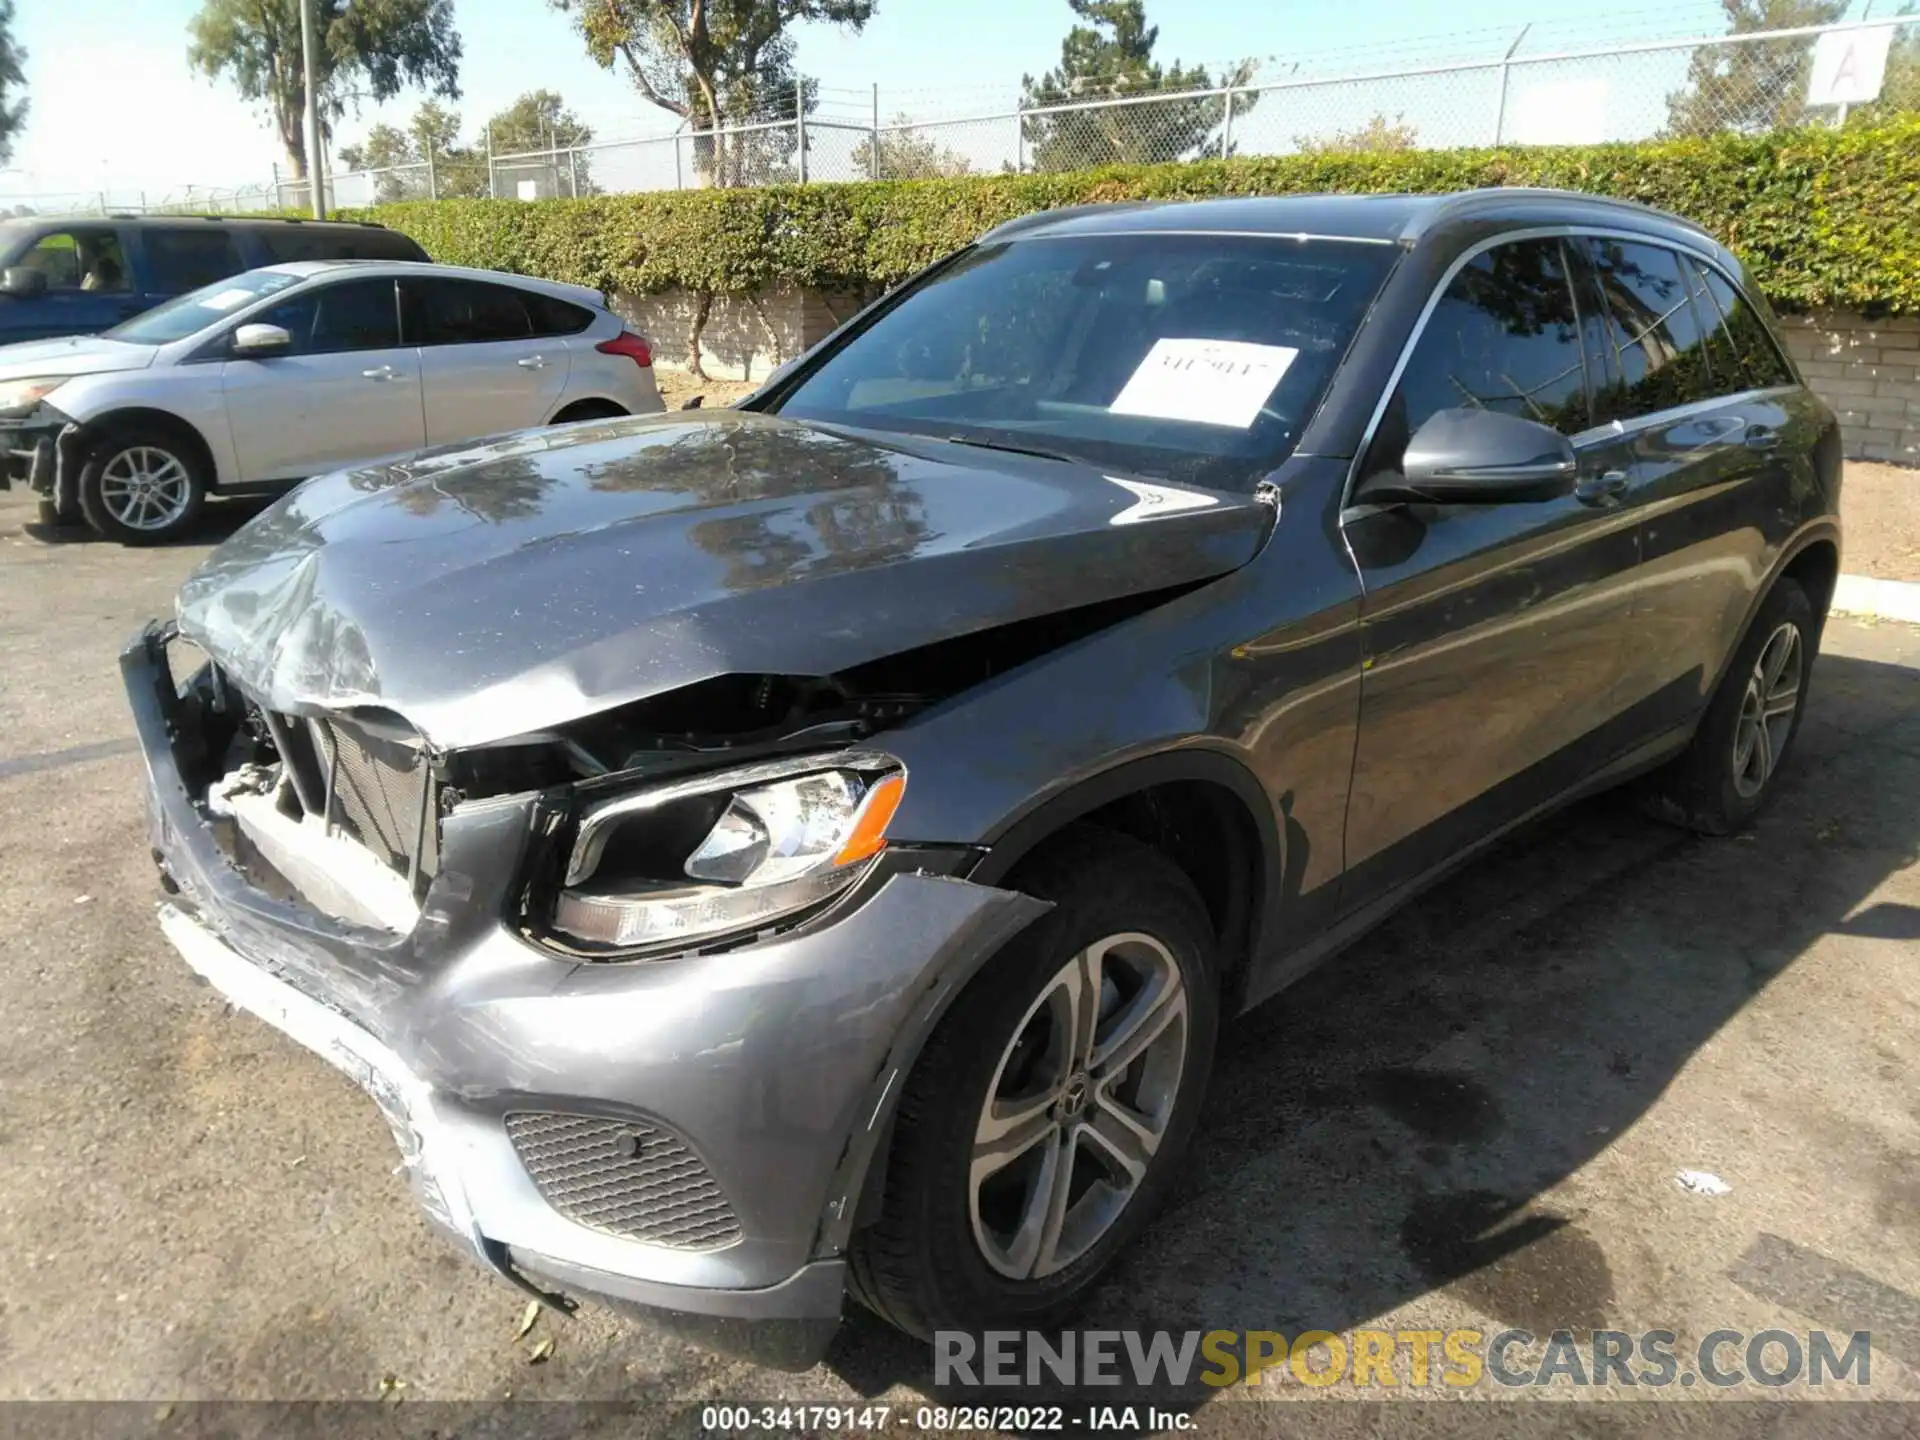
[{"x": 1849, "y": 66}]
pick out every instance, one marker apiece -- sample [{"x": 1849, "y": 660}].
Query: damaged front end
[
  {"x": 702, "y": 818},
  {"x": 554, "y": 796},
  {"x": 596, "y": 1129},
  {"x": 36, "y": 451}
]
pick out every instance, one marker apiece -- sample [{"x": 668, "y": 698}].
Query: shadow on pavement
[
  {"x": 1386, "y": 1127},
  {"x": 220, "y": 518}
]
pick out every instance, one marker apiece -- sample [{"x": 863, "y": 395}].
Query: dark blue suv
[{"x": 77, "y": 276}]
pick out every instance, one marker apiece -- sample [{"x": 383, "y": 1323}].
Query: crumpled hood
[
  {"x": 74, "y": 355},
  {"x": 489, "y": 590}
]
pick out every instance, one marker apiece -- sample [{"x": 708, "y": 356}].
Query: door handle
[
  {"x": 532, "y": 362},
  {"x": 1762, "y": 437},
  {"x": 381, "y": 372},
  {"x": 1600, "y": 489}
]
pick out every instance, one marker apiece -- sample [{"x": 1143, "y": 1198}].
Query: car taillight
[{"x": 633, "y": 346}]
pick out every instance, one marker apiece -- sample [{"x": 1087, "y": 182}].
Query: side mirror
[
  {"x": 22, "y": 281},
  {"x": 1478, "y": 457},
  {"x": 256, "y": 342}
]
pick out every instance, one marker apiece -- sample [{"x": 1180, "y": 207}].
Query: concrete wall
[{"x": 1869, "y": 372}]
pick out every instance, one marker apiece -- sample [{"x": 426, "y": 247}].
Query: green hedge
[{"x": 1824, "y": 217}]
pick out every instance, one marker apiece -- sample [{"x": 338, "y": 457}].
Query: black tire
[
  {"x": 103, "y": 471},
  {"x": 917, "y": 1265},
  {"x": 1703, "y": 789},
  {"x": 589, "y": 410}
]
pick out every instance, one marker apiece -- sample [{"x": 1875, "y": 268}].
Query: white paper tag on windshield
[
  {"x": 1210, "y": 382},
  {"x": 227, "y": 299}
]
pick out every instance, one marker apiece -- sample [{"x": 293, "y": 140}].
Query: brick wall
[{"x": 1869, "y": 372}]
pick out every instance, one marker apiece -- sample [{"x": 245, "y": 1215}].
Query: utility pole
[
  {"x": 316, "y": 182},
  {"x": 800, "y": 121}
]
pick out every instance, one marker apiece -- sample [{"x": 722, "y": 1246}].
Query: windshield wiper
[{"x": 1010, "y": 448}]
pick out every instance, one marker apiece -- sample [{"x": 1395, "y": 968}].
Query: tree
[
  {"x": 908, "y": 155},
  {"x": 13, "y": 83},
  {"x": 383, "y": 147},
  {"x": 1112, "y": 56},
  {"x": 1755, "y": 86},
  {"x": 1378, "y": 136},
  {"x": 714, "y": 63},
  {"x": 458, "y": 170},
  {"x": 540, "y": 121},
  {"x": 401, "y": 158},
  {"x": 385, "y": 150},
  {"x": 369, "y": 49}
]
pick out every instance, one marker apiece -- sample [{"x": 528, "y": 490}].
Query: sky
[{"x": 115, "y": 108}]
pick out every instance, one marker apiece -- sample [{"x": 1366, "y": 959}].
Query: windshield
[
  {"x": 192, "y": 312},
  {"x": 1195, "y": 357}
]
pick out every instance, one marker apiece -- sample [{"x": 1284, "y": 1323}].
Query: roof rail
[
  {"x": 1036, "y": 218},
  {"x": 1448, "y": 206}
]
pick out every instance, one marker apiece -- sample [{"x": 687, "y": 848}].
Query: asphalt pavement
[{"x": 1475, "y": 1118}]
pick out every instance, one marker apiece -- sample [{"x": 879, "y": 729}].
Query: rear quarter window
[
  {"x": 301, "y": 242},
  {"x": 553, "y": 316}
]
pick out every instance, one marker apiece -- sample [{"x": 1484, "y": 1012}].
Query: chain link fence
[
  {"x": 1490, "y": 90},
  {"x": 1507, "y": 96}
]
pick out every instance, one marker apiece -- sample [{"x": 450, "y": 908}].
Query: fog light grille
[{"x": 623, "y": 1177}]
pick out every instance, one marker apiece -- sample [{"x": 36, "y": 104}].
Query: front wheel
[
  {"x": 141, "y": 486},
  {"x": 1047, "y": 1116}
]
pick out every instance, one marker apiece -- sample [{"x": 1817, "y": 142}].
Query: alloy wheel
[
  {"x": 1082, "y": 1096},
  {"x": 1767, "y": 710},
  {"x": 145, "y": 488}
]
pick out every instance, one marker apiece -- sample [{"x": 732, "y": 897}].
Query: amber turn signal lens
[{"x": 869, "y": 834}]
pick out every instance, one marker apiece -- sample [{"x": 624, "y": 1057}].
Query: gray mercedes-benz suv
[{"x": 764, "y": 855}]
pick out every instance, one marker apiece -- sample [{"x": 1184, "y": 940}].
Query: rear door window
[
  {"x": 1756, "y": 359},
  {"x": 1504, "y": 336},
  {"x": 82, "y": 258},
  {"x": 180, "y": 259},
  {"x": 1658, "y": 344},
  {"x": 334, "y": 319},
  {"x": 463, "y": 312}
]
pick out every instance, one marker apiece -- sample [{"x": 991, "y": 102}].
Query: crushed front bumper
[
  {"x": 27, "y": 454},
  {"x": 774, "y": 1064}
]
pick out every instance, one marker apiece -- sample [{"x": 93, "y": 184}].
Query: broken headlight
[
  {"x": 727, "y": 852},
  {"x": 17, "y": 397}
]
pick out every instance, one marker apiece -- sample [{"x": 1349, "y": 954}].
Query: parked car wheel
[
  {"x": 1724, "y": 778},
  {"x": 140, "y": 486},
  {"x": 1047, "y": 1116}
]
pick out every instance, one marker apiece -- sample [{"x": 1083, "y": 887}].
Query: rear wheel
[
  {"x": 1047, "y": 1116},
  {"x": 141, "y": 485},
  {"x": 1727, "y": 774}
]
